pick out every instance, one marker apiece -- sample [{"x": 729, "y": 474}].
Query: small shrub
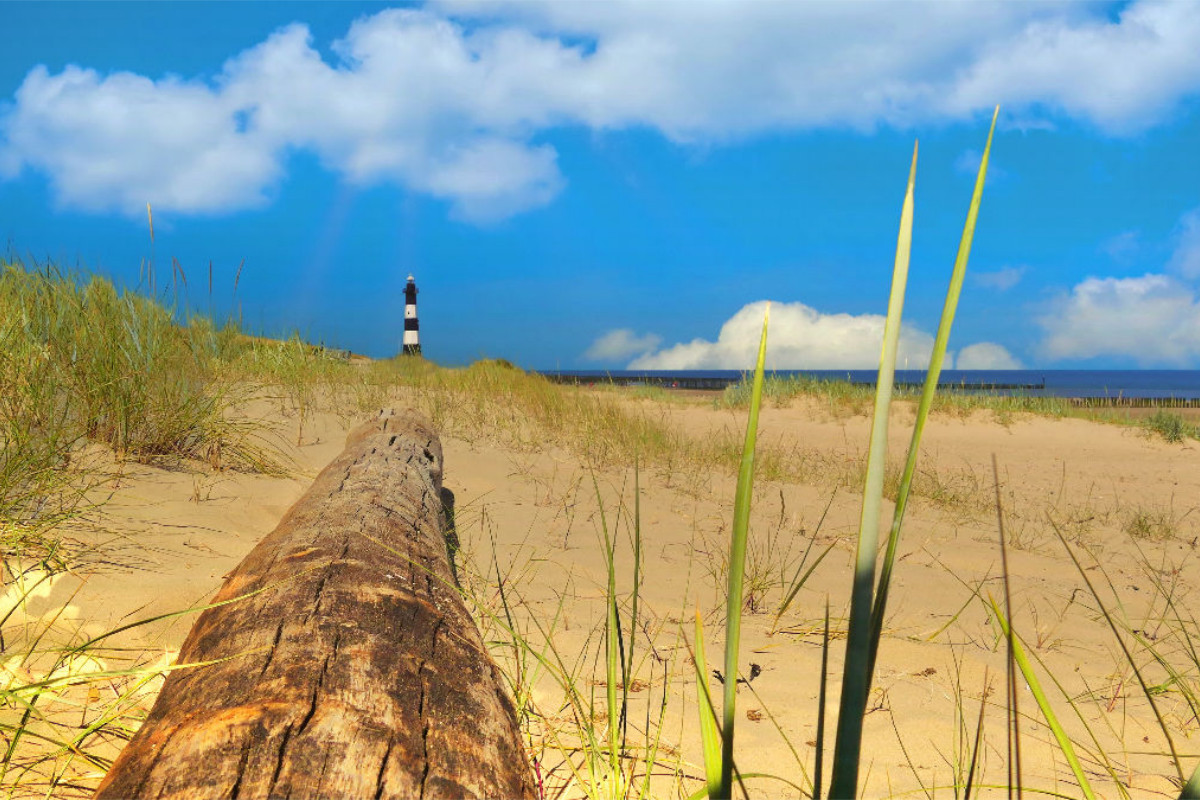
[
  {"x": 1170, "y": 425},
  {"x": 1152, "y": 524}
]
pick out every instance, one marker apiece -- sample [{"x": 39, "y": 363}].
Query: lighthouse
[{"x": 412, "y": 335}]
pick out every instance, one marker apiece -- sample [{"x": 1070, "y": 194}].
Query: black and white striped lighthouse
[{"x": 412, "y": 334}]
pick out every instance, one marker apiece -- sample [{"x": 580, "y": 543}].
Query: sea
[{"x": 1141, "y": 383}]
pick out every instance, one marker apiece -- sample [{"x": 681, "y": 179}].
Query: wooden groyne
[
  {"x": 718, "y": 383},
  {"x": 667, "y": 382},
  {"x": 1134, "y": 402},
  {"x": 343, "y": 663}
]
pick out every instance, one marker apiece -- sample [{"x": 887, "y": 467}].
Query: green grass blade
[
  {"x": 1012, "y": 703},
  {"x": 1035, "y": 688},
  {"x": 710, "y": 737},
  {"x": 627, "y": 674},
  {"x": 819, "y": 765},
  {"x": 978, "y": 744},
  {"x": 798, "y": 580},
  {"x": 856, "y": 678},
  {"x": 652, "y": 757},
  {"x": 612, "y": 662},
  {"x": 941, "y": 342},
  {"x": 1128, "y": 655},
  {"x": 1191, "y": 789},
  {"x": 737, "y": 566},
  {"x": 1099, "y": 752},
  {"x": 787, "y": 740}
]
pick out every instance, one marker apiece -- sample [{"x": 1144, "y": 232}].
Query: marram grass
[
  {"x": 856, "y": 677},
  {"x": 737, "y": 568},
  {"x": 936, "y": 359},
  {"x": 867, "y": 603}
]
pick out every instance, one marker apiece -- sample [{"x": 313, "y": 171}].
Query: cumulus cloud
[
  {"x": 725, "y": 67},
  {"x": 1120, "y": 74},
  {"x": 413, "y": 99},
  {"x": 120, "y": 141},
  {"x": 1153, "y": 320},
  {"x": 620, "y": 344},
  {"x": 800, "y": 337},
  {"x": 449, "y": 100},
  {"x": 986, "y": 355},
  {"x": 1001, "y": 279}
]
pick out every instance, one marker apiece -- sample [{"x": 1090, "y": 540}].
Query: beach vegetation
[
  {"x": 596, "y": 699},
  {"x": 1170, "y": 426},
  {"x": 1153, "y": 523}
]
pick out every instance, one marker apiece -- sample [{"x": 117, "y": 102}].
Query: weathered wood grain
[{"x": 356, "y": 671}]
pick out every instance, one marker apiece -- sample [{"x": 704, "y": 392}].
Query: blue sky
[{"x": 608, "y": 184}]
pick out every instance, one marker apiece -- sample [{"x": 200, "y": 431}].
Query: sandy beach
[{"x": 1125, "y": 502}]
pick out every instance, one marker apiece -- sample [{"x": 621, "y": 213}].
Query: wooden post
[{"x": 355, "y": 671}]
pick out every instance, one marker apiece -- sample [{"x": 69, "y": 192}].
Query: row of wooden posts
[
  {"x": 1135, "y": 402},
  {"x": 338, "y": 660}
]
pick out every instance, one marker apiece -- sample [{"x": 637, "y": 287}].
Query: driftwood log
[{"x": 350, "y": 667}]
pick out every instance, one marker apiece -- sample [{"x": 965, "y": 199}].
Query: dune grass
[
  {"x": 869, "y": 595},
  {"x": 85, "y": 362},
  {"x": 843, "y": 398},
  {"x": 1170, "y": 426},
  {"x": 90, "y": 375}
]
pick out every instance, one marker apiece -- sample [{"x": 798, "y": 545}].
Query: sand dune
[{"x": 1125, "y": 501}]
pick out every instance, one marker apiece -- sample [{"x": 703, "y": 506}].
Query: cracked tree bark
[{"x": 346, "y": 665}]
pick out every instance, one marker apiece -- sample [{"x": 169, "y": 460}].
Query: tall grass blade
[
  {"x": 977, "y": 746},
  {"x": 799, "y": 580},
  {"x": 1014, "y": 710},
  {"x": 787, "y": 740},
  {"x": 1191, "y": 789},
  {"x": 737, "y": 566},
  {"x": 710, "y": 736},
  {"x": 652, "y": 757},
  {"x": 819, "y": 766},
  {"x": 627, "y": 675},
  {"x": 856, "y": 676},
  {"x": 1039, "y": 697},
  {"x": 941, "y": 342},
  {"x": 613, "y": 663},
  {"x": 1128, "y": 655}
]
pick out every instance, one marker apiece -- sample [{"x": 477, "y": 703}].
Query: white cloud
[
  {"x": 725, "y": 67},
  {"x": 454, "y": 110},
  {"x": 413, "y": 100},
  {"x": 1186, "y": 258},
  {"x": 799, "y": 337},
  {"x": 1122, "y": 75},
  {"x": 1001, "y": 279},
  {"x": 621, "y": 344},
  {"x": 1153, "y": 320},
  {"x": 986, "y": 355},
  {"x": 120, "y": 141}
]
